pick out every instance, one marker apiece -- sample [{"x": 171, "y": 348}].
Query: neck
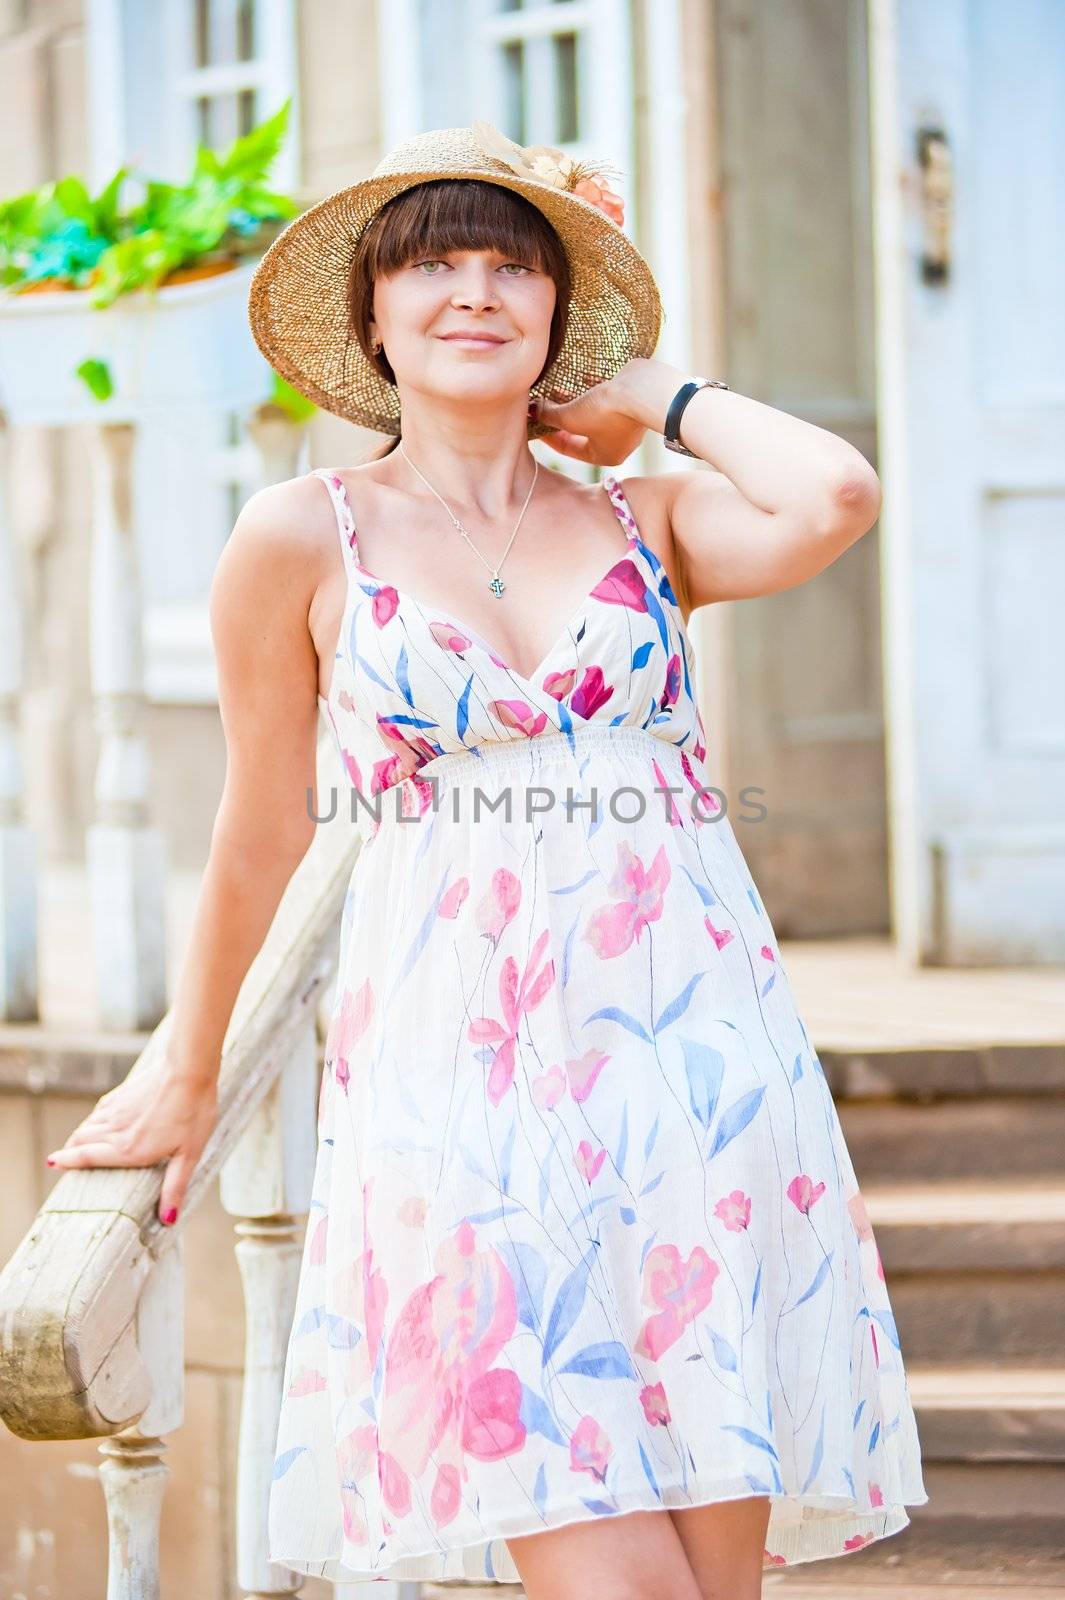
[{"x": 474, "y": 460}]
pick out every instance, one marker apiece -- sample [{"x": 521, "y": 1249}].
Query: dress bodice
[{"x": 410, "y": 684}]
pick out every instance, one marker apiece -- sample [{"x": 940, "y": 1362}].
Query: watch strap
[{"x": 671, "y": 432}]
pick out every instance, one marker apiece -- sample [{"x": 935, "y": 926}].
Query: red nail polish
[
  {"x": 49, "y": 1160},
  {"x": 170, "y": 1215}
]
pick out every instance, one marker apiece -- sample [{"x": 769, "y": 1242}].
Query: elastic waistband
[{"x": 532, "y": 755}]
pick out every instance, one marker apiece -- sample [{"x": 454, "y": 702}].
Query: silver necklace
[{"x": 496, "y": 584}]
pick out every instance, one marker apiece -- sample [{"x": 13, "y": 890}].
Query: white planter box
[{"x": 189, "y": 346}]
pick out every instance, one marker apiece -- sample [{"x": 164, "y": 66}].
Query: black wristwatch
[{"x": 671, "y": 434}]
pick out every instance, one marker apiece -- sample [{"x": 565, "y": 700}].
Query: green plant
[{"x": 60, "y": 236}]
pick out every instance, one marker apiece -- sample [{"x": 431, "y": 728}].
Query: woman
[{"x": 589, "y": 1295}]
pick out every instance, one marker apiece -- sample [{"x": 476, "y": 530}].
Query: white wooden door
[{"x": 968, "y": 104}]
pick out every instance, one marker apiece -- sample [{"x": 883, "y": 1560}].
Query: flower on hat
[{"x": 543, "y": 163}]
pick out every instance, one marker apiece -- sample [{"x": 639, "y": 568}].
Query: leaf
[
  {"x": 705, "y": 1067},
  {"x": 536, "y": 1416},
  {"x": 540, "y": 1489},
  {"x": 887, "y": 1322},
  {"x": 751, "y": 1438},
  {"x": 285, "y": 1460},
  {"x": 818, "y": 1279},
  {"x": 528, "y": 1271},
  {"x": 818, "y": 1453},
  {"x": 653, "y": 1183},
  {"x": 677, "y": 1007},
  {"x": 649, "y": 1143},
  {"x": 735, "y": 1119},
  {"x": 567, "y": 1305},
  {"x": 600, "y": 1507},
  {"x": 649, "y": 1471},
  {"x": 613, "y": 1014},
  {"x": 607, "y": 1360},
  {"x": 623, "y": 1141},
  {"x": 505, "y": 1157},
  {"x": 96, "y": 375},
  {"x": 724, "y": 1354}
]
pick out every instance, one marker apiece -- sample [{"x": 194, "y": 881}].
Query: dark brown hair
[{"x": 430, "y": 220}]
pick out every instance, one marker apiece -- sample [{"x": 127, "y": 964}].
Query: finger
[
  {"x": 575, "y": 445},
  {"x": 92, "y": 1131},
  {"x": 89, "y": 1155},
  {"x": 175, "y": 1182}
]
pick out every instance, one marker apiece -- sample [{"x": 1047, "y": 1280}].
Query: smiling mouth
[{"x": 473, "y": 341}]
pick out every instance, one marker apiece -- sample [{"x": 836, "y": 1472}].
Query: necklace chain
[{"x": 496, "y": 584}]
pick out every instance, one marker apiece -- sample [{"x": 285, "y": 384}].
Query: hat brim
[{"x": 300, "y": 319}]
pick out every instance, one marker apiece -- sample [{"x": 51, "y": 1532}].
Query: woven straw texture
[{"x": 297, "y": 301}]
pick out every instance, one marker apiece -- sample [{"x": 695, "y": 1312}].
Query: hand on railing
[{"x": 155, "y": 1114}]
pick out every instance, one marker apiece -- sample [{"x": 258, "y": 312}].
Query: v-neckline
[{"x": 530, "y": 680}]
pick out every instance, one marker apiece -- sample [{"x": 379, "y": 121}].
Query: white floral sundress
[{"x": 585, "y": 1235}]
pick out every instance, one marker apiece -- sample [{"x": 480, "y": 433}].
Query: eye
[
  {"x": 517, "y": 264},
  {"x": 430, "y": 263}
]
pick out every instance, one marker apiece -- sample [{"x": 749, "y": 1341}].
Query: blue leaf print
[
  {"x": 528, "y": 1269},
  {"x": 402, "y": 675},
  {"x": 493, "y": 1215},
  {"x": 757, "y": 1284},
  {"x": 818, "y": 1279},
  {"x": 653, "y": 1184},
  {"x": 649, "y": 1143},
  {"x": 600, "y": 1507},
  {"x": 756, "y": 903},
  {"x": 627, "y": 1214},
  {"x": 654, "y": 609},
  {"x": 470, "y": 1162},
  {"x": 647, "y": 1247},
  {"x": 504, "y": 1158},
  {"x": 850, "y": 1481},
  {"x": 858, "y": 1413},
  {"x": 818, "y": 1453},
  {"x": 343, "y": 1335},
  {"x": 575, "y": 888},
  {"x": 679, "y": 1006},
  {"x": 567, "y": 950},
  {"x": 724, "y": 1354},
  {"x": 649, "y": 1471},
  {"x": 418, "y": 944},
  {"x": 756, "y": 1484},
  {"x": 613, "y": 1014},
  {"x": 768, "y": 984},
  {"x": 705, "y": 1067},
  {"x": 462, "y": 711},
  {"x": 540, "y": 1489},
  {"x": 735, "y": 1119},
  {"x": 751, "y": 1438},
  {"x": 797, "y": 1069},
  {"x": 607, "y": 1360},
  {"x": 639, "y": 656},
  {"x": 701, "y": 890},
  {"x": 310, "y": 1320},
  {"x": 370, "y": 671},
  {"x": 536, "y": 1416},
  {"x": 623, "y": 1141},
  {"x": 887, "y": 1322},
  {"x": 285, "y": 1460},
  {"x": 567, "y": 1305},
  {"x": 489, "y": 1569},
  {"x": 873, "y": 1437}
]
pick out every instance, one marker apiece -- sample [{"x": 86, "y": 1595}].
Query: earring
[{"x": 375, "y": 346}]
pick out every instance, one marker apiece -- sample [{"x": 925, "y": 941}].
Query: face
[{"x": 420, "y": 308}]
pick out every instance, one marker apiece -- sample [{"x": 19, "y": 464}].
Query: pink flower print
[
  {"x": 499, "y": 904},
  {"x": 448, "y": 637},
  {"x": 514, "y": 999},
  {"x": 665, "y": 786},
  {"x": 440, "y": 1395},
  {"x": 682, "y": 1288},
  {"x": 452, "y": 901},
  {"x": 875, "y": 1496},
  {"x": 559, "y": 684},
  {"x": 623, "y": 585},
  {"x": 520, "y": 716},
  {"x": 857, "y": 1540},
  {"x": 356, "y": 1456},
  {"x": 734, "y": 1210},
  {"x": 446, "y": 1497},
  {"x": 639, "y": 893},
  {"x": 767, "y": 952},
  {"x": 591, "y": 693},
  {"x": 587, "y": 1163},
  {"x": 655, "y": 1405},
  {"x": 802, "y": 1192},
  {"x": 395, "y": 1484},
  {"x": 384, "y": 605},
  {"x": 860, "y": 1215},
  {"x": 412, "y": 1211},
  {"x": 583, "y": 1072},
  {"x": 307, "y": 1382},
  {"x": 348, "y": 1024},
  {"x": 589, "y": 1448},
  {"x": 548, "y": 1088},
  {"x": 771, "y": 1560},
  {"x": 596, "y": 191},
  {"x": 706, "y": 802},
  {"x": 720, "y": 936},
  {"x": 672, "y": 686}
]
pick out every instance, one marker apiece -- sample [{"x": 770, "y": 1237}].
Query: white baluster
[
  {"x": 18, "y": 885},
  {"x": 267, "y": 1184},
  {"x": 125, "y": 855},
  {"x": 277, "y": 440},
  {"x": 133, "y": 1473}
]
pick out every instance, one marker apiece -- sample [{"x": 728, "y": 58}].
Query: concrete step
[
  {"x": 989, "y": 1414},
  {"x": 997, "y": 1136},
  {"x": 975, "y": 1270}
]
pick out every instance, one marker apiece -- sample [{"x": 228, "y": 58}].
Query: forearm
[
  {"x": 239, "y": 896},
  {"x": 779, "y": 462}
]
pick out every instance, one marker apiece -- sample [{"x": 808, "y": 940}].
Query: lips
[{"x": 472, "y": 338}]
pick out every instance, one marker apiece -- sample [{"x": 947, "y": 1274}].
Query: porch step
[
  {"x": 953, "y": 1138},
  {"x": 992, "y": 1414},
  {"x": 975, "y": 1270}
]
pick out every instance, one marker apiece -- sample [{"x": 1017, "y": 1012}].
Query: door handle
[{"x": 937, "y": 203}]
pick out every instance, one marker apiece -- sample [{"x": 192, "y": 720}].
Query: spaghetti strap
[
  {"x": 621, "y": 506},
  {"x": 344, "y": 514}
]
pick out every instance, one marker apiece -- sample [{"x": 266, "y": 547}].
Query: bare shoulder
[
  {"x": 292, "y": 520},
  {"x": 652, "y": 498}
]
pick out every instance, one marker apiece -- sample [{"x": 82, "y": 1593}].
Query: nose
[{"x": 474, "y": 286}]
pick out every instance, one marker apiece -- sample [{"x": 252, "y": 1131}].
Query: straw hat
[{"x": 297, "y": 302}]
